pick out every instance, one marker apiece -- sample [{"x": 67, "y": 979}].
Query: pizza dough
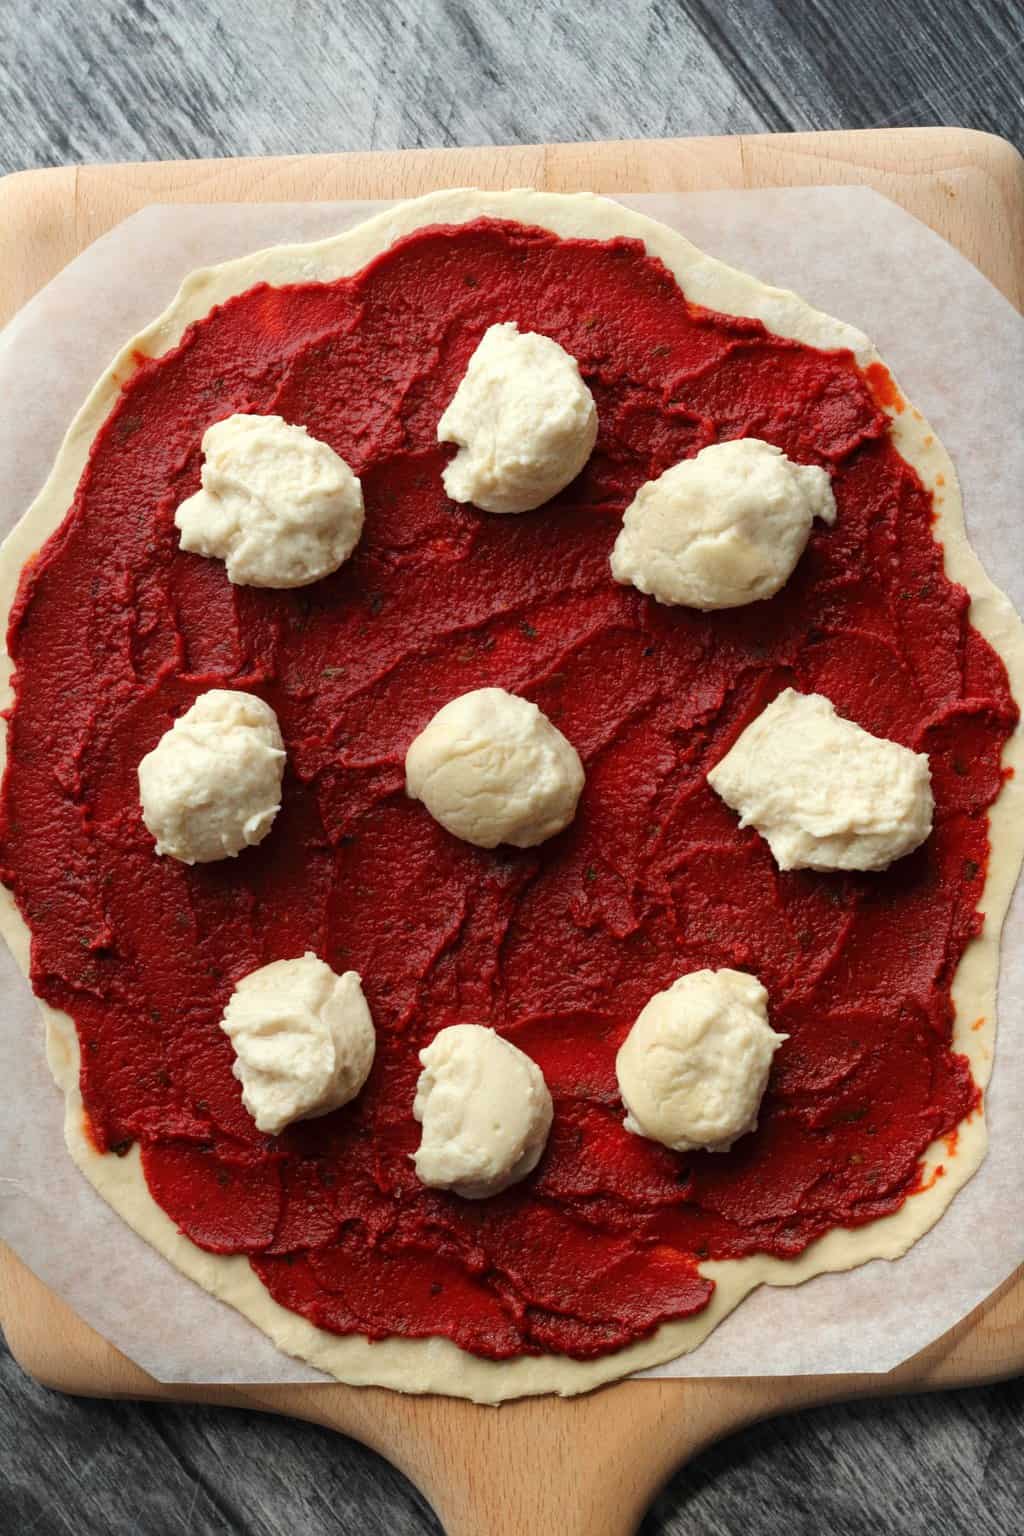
[{"x": 436, "y": 1365}]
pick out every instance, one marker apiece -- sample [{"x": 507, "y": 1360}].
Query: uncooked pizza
[{"x": 509, "y": 797}]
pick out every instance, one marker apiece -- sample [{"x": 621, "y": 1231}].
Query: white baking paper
[{"x": 957, "y": 348}]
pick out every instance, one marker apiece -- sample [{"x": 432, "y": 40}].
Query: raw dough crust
[{"x": 435, "y": 1364}]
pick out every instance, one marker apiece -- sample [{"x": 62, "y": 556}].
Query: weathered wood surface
[{"x": 169, "y": 79}]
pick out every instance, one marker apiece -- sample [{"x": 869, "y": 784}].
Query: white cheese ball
[
  {"x": 279, "y": 507},
  {"x": 485, "y": 1110},
  {"x": 823, "y": 792},
  {"x": 212, "y": 784},
  {"x": 491, "y": 768},
  {"x": 304, "y": 1040},
  {"x": 693, "y": 1069},
  {"x": 524, "y": 420},
  {"x": 722, "y": 529}
]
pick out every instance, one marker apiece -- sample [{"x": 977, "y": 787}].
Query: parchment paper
[{"x": 957, "y": 348}]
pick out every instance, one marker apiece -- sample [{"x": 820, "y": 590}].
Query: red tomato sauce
[{"x": 115, "y": 632}]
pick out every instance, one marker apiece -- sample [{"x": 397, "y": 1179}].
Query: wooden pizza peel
[{"x": 549, "y": 1466}]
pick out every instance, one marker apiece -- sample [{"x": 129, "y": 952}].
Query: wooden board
[
  {"x": 968, "y": 186},
  {"x": 587, "y": 1465}
]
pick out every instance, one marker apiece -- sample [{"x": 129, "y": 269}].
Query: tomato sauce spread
[{"x": 115, "y": 632}]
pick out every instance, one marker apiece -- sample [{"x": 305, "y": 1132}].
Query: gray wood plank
[{"x": 134, "y": 79}]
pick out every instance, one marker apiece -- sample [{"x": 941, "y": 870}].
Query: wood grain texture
[
  {"x": 141, "y": 80},
  {"x": 967, "y": 186},
  {"x": 125, "y": 79},
  {"x": 584, "y": 1467}
]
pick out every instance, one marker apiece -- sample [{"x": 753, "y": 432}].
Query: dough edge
[{"x": 435, "y": 1364}]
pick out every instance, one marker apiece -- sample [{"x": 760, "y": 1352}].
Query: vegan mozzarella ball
[
  {"x": 485, "y": 1110},
  {"x": 279, "y": 507},
  {"x": 721, "y": 529},
  {"x": 823, "y": 792},
  {"x": 212, "y": 784},
  {"x": 524, "y": 421},
  {"x": 693, "y": 1069},
  {"x": 491, "y": 768},
  {"x": 303, "y": 1037}
]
